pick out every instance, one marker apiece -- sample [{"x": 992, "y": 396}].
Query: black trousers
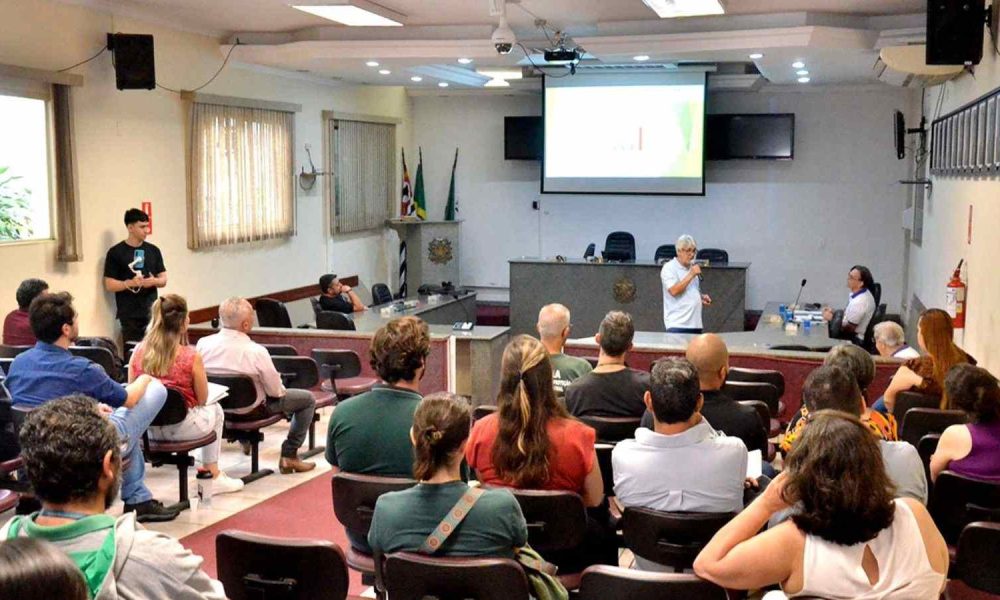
[{"x": 133, "y": 330}]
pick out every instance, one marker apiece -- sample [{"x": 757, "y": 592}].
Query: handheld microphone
[{"x": 801, "y": 287}]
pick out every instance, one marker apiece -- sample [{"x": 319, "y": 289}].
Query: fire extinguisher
[{"x": 955, "y": 298}]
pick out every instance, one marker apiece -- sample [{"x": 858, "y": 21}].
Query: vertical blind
[
  {"x": 363, "y": 165},
  {"x": 242, "y": 175}
]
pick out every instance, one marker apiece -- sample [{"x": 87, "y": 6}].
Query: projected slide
[{"x": 634, "y": 134}]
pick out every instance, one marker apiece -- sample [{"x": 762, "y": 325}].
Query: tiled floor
[{"x": 163, "y": 482}]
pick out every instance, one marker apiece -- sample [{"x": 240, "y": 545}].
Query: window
[
  {"x": 242, "y": 176},
  {"x": 363, "y": 169},
  {"x": 25, "y": 176}
]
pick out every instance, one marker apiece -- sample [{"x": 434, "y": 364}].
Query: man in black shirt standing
[
  {"x": 338, "y": 297},
  {"x": 133, "y": 269}
]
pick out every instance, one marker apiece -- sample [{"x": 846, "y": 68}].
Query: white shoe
[{"x": 224, "y": 484}]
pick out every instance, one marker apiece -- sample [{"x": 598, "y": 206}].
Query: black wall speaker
[
  {"x": 135, "y": 68},
  {"x": 955, "y": 32}
]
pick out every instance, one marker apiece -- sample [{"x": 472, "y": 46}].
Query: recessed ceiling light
[
  {"x": 465, "y": 61},
  {"x": 497, "y": 83},
  {"x": 803, "y": 80},
  {"x": 756, "y": 56},
  {"x": 356, "y": 13},
  {"x": 371, "y": 63},
  {"x": 641, "y": 58},
  {"x": 503, "y": 74},
  {"x": 802, "y": 72},
  {"x": 416, "y": 78},
  {"x": 442, "y": 84},
  {"x": 384, "y": 71},
  {"x": 798, "y": 64},
  {"x": 666, "y": 9}
]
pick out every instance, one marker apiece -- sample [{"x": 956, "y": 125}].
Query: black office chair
[
  {"x": 102, "y": 356},
  {"x": 975, "y": 563},
  {"x": 877, "y": 317},
  {"x": 957, "y": 500},
  {"x": 612, "y": 429},
  {"x": 665, "y": 252},
  {"x": 281, "y": 349},
  {"x": 340, "y": 372},
  {"x": 919, "y": 422},
  {"x": 590, "y": 251},
  {"x": 909, "y": 400},
  {"x": 620, "y": 246},
  {"x": 272, "y": 313},
  {"x": 672, "y": 539},
  {"x": 381, "y": 294},
  {"x": 713, "y": 255},
  {"x": 602, "y": 582},
  {"x": 412, "y": 576},
  {"x": 302, "y": 373},
  {"x": 174, "y": 452},
  {"x": 329, "y": 319},
  {"x": 12, "y": 351},
  {"x": 245, "y": 418},
  {"x": 876, "y": 292}
]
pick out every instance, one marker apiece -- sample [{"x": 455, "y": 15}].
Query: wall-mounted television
[
  {"x": 522, "y": 138},
  {"x": 750, "y": 136}
]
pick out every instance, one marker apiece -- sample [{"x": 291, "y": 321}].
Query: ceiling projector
[{"x": 562, "y": 56}]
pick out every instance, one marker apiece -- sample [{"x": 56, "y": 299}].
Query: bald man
[
  {"x": 553, "y": 330},
  {"x": 710, "y": 357}
]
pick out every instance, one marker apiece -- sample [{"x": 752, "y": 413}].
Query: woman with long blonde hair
[
  {"x": 926, "y": 374},
  {"x": 165, "y": 354}
]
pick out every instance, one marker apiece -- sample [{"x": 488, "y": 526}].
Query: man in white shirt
[
  {"x": 232, "y": 352},
  {"x": 682, "y": 464},
  {"x": 682, "y": 297},
  {"x": 891, "y": 342},
  {"x": 860, "y": 306}
]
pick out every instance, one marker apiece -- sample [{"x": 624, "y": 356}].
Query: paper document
[
  {"x": 814, "y": 315},
  {"x": 216, "y": 392},
  {"x": 754, "y": 464}
]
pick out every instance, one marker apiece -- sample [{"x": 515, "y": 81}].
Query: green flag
[
  {"x": 451, "y": 208},
  {"x": 418, "y": 189}
]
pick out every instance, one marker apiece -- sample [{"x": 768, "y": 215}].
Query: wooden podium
[{"x": 432, "y": 251}]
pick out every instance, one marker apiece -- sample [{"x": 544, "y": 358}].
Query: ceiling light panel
[
  {"x": 502, "y": 74},
  {"x": 355, "y": 13},
  {"x": 667, "y": 9}
]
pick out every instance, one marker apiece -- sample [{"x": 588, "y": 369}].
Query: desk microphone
[{"x": 801, "y": 287}]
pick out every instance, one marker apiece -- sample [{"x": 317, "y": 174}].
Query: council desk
[{"x": 590, "y": 290}]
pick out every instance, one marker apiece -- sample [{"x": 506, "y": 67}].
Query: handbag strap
[{"x": 451, "y": 520}]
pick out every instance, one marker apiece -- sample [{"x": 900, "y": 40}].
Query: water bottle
[
  {"x": 205, "y": 482},
  {"x": 783, "y": 311}
]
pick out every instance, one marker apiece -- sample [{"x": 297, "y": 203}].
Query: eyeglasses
[{"x": 690, "y": 250}]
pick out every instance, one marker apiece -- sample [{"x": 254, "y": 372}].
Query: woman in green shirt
[{"x": 403, "y": 520}]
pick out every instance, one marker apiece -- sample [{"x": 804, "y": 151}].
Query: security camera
[{"x": 504, "y": 38}]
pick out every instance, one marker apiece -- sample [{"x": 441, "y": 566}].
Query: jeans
[
  {"x": 684, "y": 330},
  {"x": 302, "y": 405},
  {"x": 200, "y": 421},
  {"x": 131, "y": 424},
  {"x": 880, "y": 406}
]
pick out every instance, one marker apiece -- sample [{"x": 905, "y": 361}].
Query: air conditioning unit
[{"x": 906, "y": 66}]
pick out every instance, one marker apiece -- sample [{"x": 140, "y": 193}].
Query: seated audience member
[
  {"x": 338, "y": 297},
  {"x": 165, "y": 354},
  {"x": 972, "y": 449},
  {"x": 232, "y": 352},
  {"x": 34, "y": 569},
  {"x": 493, "y": 525},
  {"x": 833, "y": 388},
  {"x": 49, "y": 371},
  {"x": 860, "y": 305},
  {"x": 710, "y": 357},
  {"x": 553, "y": 330},
  {"x": 73, "y": 459},
  {"x": 860, "y": 364},
  {"x": 531, "y": 442},
  {"x": 612, "y": 389},
  {"x": 17, "y": 325},
  {"x": 706, "y": 470},
  {"x": 891, "y": 342},
  {"x": 850, "y": 540},
  {"x": 926, "y": 374}
]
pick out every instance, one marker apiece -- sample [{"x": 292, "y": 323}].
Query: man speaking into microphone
[{"x": 682, "y": 297}]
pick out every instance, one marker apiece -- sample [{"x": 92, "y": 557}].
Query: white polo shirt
[
  {"x": 860, "y": 309},
  {"x": 684, "y": 310}
]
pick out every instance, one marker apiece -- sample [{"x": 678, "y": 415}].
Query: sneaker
[
  {"x": 292, "y": 464},
  {"x": 152, "y": 511},
  {"x": 224, "y": 484}
]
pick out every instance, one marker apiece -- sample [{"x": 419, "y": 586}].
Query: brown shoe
[{"x": 294, "y": 465}]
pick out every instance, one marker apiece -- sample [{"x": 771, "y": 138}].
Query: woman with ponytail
[
  {"x": 494, "y": 526},
  {"x": 165, "y": 354}
]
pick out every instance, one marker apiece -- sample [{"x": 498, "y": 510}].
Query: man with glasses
[
  {"x": 682, "y": 297},
  {"x": 860, "y": 305}
]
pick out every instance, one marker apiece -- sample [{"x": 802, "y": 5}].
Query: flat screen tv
[
  {"x": 759, "y": 136},
  {"x": 522, "y": 138}
]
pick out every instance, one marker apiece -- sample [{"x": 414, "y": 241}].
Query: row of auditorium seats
[{"x": 620, "y": 246}]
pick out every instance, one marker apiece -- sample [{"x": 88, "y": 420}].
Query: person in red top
[
  {"x": 531, "y": 442},
  {"x": 16, "y": 328},
  {"x": 164, "y": 353}
]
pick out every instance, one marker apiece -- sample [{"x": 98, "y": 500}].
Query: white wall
[
  {"x": 130, "y": 148},
  {"x": 946, "y": 229},
  {"x": 836, "y": 204}
]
